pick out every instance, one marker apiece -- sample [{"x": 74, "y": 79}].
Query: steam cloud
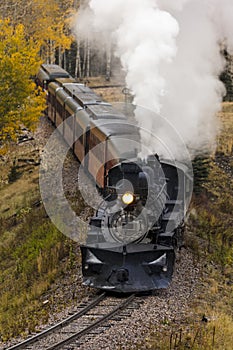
[{"x": 170, "y": 51}]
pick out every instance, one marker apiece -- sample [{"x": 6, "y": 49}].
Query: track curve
[{"x": 81, "y": 323}]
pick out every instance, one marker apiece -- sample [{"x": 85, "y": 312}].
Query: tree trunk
[
  {"x": 64, "y": 60},
  {"x": 88, "y": 58},
  {"x": 59, "y": 56},
  {"x": 84, "y": 58},
  {"x": 108, "y": 61},
  {"x": 78, "y": 69}
]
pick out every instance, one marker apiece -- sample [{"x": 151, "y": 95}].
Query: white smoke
[{"x": 171, "y": 55}]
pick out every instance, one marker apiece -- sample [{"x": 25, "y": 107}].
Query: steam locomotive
[{"x": 134, "y": 234}]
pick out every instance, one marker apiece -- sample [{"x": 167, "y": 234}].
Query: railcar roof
[
  {"x": 104, "y": 110},
  {"x": 83, "y": 94},
  {"x": 127, "y": 145},
  {"x": 66, "y": 80},
  {"x": 62, "y": 96},
  {"x": 82, "y": 118},
  {"x": 113, "y": 127},
  {"x": 54, "y": 87},
  {"x": 54, "y": 71},
  {"x": 73, "y": 105},
  {"x": 42, "y": 75}
]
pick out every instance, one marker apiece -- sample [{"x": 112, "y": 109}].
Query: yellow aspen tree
[
  {"x": 44, "y": 21},
  {"x": 47, "y": 23},
  {"x": 20, "y": 102}
]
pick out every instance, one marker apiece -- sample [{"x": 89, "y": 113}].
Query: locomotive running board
[{"x": 129, "y": 268}]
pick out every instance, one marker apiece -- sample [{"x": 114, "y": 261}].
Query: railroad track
[{"x": 87, "y": 322}]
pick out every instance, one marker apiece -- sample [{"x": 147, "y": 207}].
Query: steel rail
[
  {"x": 93, "y": 325},
  {"x": 59, "y": 325}
]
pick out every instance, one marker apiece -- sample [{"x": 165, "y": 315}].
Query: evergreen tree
[{"x": 201, "y": 169}]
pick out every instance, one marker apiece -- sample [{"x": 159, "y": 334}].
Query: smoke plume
[{"x": 170, "y": 51}]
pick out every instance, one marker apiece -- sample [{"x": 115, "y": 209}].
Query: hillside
[{"x": 40, "y": 268}]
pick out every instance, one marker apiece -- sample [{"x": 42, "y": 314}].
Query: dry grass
[
  {"x": 17, "y": 194},
  {"x": 225, "y": 139},
  {"x": 19, "y": 161},
  {"x": 108, "y": 93},
  {"x": 111, "y": 94}
]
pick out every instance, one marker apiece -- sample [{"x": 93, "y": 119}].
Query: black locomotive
[{"x": 137, "y": 228}]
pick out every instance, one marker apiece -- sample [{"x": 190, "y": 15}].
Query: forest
[
  {"x": 36, "y": 31},
  {"x": 33, "y": 32},
  {"x": 50, "y": 26}
]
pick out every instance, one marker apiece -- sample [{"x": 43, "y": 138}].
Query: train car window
[
  {"x": 49, "y": 99},
  {"x": 60, "y": 109},
  {"x": 69, "y": 123},
  {"x": 94, "y": 141},
  {"x": 67, "y": 114},
  {"x": 97, "y": 151},
  {"x": 53, "y": 100},
  {"x": 79, "y": 131}
]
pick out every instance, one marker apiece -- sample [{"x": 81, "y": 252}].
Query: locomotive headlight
[{"x": 127, "y": 198}]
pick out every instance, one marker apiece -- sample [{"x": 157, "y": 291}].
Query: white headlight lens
[{"x": 127, "y": 198}]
